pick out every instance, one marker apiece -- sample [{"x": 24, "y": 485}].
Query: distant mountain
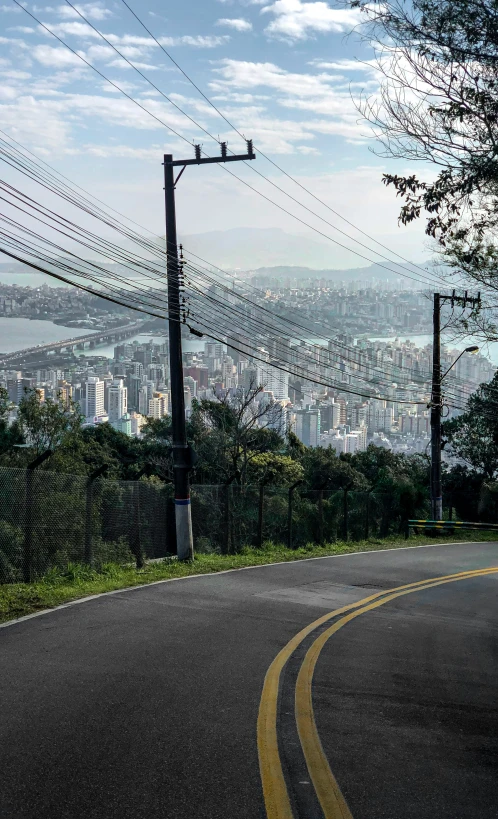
[
  {"x": 245, "y": 248},
  {"x": 273, "y": 252},
  {"x": 366, "y": 274}
]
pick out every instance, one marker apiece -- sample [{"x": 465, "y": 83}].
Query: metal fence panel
[{"x": 49, "y": 519}]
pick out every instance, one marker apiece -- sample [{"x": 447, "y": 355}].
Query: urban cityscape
[{"x": 359, "y": 390}]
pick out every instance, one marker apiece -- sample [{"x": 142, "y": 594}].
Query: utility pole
[
  {"x": 436, "y": 396},
  {"x": 182, "y": 454},
  {"x": 436, "y": 490}
]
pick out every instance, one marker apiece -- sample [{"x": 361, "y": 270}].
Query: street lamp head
[{"x": 473, "y": 349}]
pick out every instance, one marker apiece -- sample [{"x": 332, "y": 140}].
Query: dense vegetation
[{"x": 241, "y": 482}]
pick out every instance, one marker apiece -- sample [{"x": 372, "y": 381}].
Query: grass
[{"x": 77, "y": 580}]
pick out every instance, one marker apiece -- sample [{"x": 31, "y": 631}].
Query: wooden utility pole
[
  {"x": 436, "y": 404},
  {"x": 182, "y": 454}
]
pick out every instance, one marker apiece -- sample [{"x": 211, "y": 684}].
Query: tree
[
  {"x": 473, "y": 436},
  {"x": 438, "y": 103},
  {"x": 229, "y": 433},
  {"x": 10, "y": 434},
  {"x": 324, "y": 469},
  {"x": 277, "y": 470},
  {"x": 47, "y": 424}
]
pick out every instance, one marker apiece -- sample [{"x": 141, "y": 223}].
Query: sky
[{"x": 285, "y": 73}]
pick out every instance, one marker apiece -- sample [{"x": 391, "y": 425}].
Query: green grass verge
[{"x": 76, "y": 580}]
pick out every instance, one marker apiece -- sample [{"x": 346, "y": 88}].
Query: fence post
[
  {"x": 226, "y": 529},
  {"x": 28, "y": 530},
  {"x": 134, "y": 534},
  {"x": 88, "y": 515},
  {"x": 320, "y": 517},
  {"x": 346, "y": 515},
  {"x": 450, "y": 513},
  {"x": 367, "y": 516},
  {"x": 259, "y": 542},
  {"x": 289, "y": 513}
]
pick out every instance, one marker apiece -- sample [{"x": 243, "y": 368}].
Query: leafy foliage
[
  {"x": 438, "y": 103},
  {"x": 473, "y": 436}
]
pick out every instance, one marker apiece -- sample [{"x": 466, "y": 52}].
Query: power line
[
  {"x": 237, "y": 131},
  {"x": 170, "y": 128}
]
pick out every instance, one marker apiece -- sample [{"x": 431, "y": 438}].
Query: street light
[
  {"x": 436, "y": 406},
  {"x": 472, "y": 349}
]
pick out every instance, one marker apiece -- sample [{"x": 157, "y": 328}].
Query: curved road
[{"x": 150, "y": 703}]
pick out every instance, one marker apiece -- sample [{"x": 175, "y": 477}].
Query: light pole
[{"x": 436, "y": 407}]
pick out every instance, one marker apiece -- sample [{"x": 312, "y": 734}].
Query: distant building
[
  {"x": 118, "y": 401},
  {"x": 124, "y": 424},
  {"x": 274, "y": 380},
  {"x": 137, "y": 422},
  {"x": 308, "y": 426},
  {"x": 94, "y": 400},
  {"x": 158, "y": 405}
]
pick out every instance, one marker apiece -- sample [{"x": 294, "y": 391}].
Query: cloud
[
  {"x": 295, "y": 20},
  {"x": 54, "y": 57},
  {"x": 345, "y": 65},
  {"x": 199, "y": 41},
  {"x": 94, "y": 11},
  {"x": 315, "y": 94},
  {"x": 119, "y": 63},
  {"x": 12, "y": 8},
  {"x": 237, "y": 23},
  {"x": 77, "y": 28}
]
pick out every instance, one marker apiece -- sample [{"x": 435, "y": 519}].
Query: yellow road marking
[
  {"x": 329, "y": 794},
  {"x": 276, "y": 797}
]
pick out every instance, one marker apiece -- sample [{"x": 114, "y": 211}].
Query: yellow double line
[{"x": 276, "y": 796}]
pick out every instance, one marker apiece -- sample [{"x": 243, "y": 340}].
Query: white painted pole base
[
  {"x": 438, "y": 508},
  {"x": 184, "y": 539}
]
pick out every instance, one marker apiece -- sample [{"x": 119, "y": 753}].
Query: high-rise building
[
  {"x": 308, "y": 426},
  {"x": 134, "y": 385},
  {"x": 118, "y": 400},
  {"x": 275, "y": 381},
  {"x": 137, "y": 422},
  {"x": 191, "y": 384},
  {"x": 143, "y": 400},
  {"x": 199, "y": 374},
  {"x": 124, "y": 424},
  {"x": 94, "y": 402},
  {"x": 158, "y": 405}
]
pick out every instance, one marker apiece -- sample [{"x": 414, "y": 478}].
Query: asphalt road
[{"x": 144, "y": 703}]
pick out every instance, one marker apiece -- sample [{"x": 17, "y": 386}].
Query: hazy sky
[{"x": 283, "y": 72}]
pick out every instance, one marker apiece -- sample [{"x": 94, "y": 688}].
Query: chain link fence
[{"x": 48, "y": 519}]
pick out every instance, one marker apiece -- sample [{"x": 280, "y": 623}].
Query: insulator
[
  {"x": 250, "y": 149},
  {"x": 223, "y": 150},
  {"x": 197, "y": 151}
]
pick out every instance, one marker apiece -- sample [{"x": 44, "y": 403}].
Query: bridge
[{"x": 90, "y": 341}]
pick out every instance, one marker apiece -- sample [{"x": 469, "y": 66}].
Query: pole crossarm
[{"x": 209, "y": 160}]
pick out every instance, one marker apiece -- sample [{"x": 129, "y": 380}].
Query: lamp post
[{"x": 436, "y": 406}]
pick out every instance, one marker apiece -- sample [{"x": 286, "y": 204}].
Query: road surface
[{"x": 180, "y": 699}]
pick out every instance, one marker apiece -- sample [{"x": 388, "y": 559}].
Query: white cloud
[
  {"x": 94, "y": 11},
  {"x": 345, "y": 65},
  {"x": 22, "y": 29},
  {"x": 119, "y": 63},
  {"x": 315, "y": 94},
  {"x": 54, "y": 57},
  {"x": 12, "y": 74},
  {"x": 199, "y": 41},
  {"x": 237, "y": 23},
  {"x": 12, "y": 8},
  {"x": 295, "y": 20},
  {"x": 76, "y": 29},
  {"x": 307, "y": 150}
]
